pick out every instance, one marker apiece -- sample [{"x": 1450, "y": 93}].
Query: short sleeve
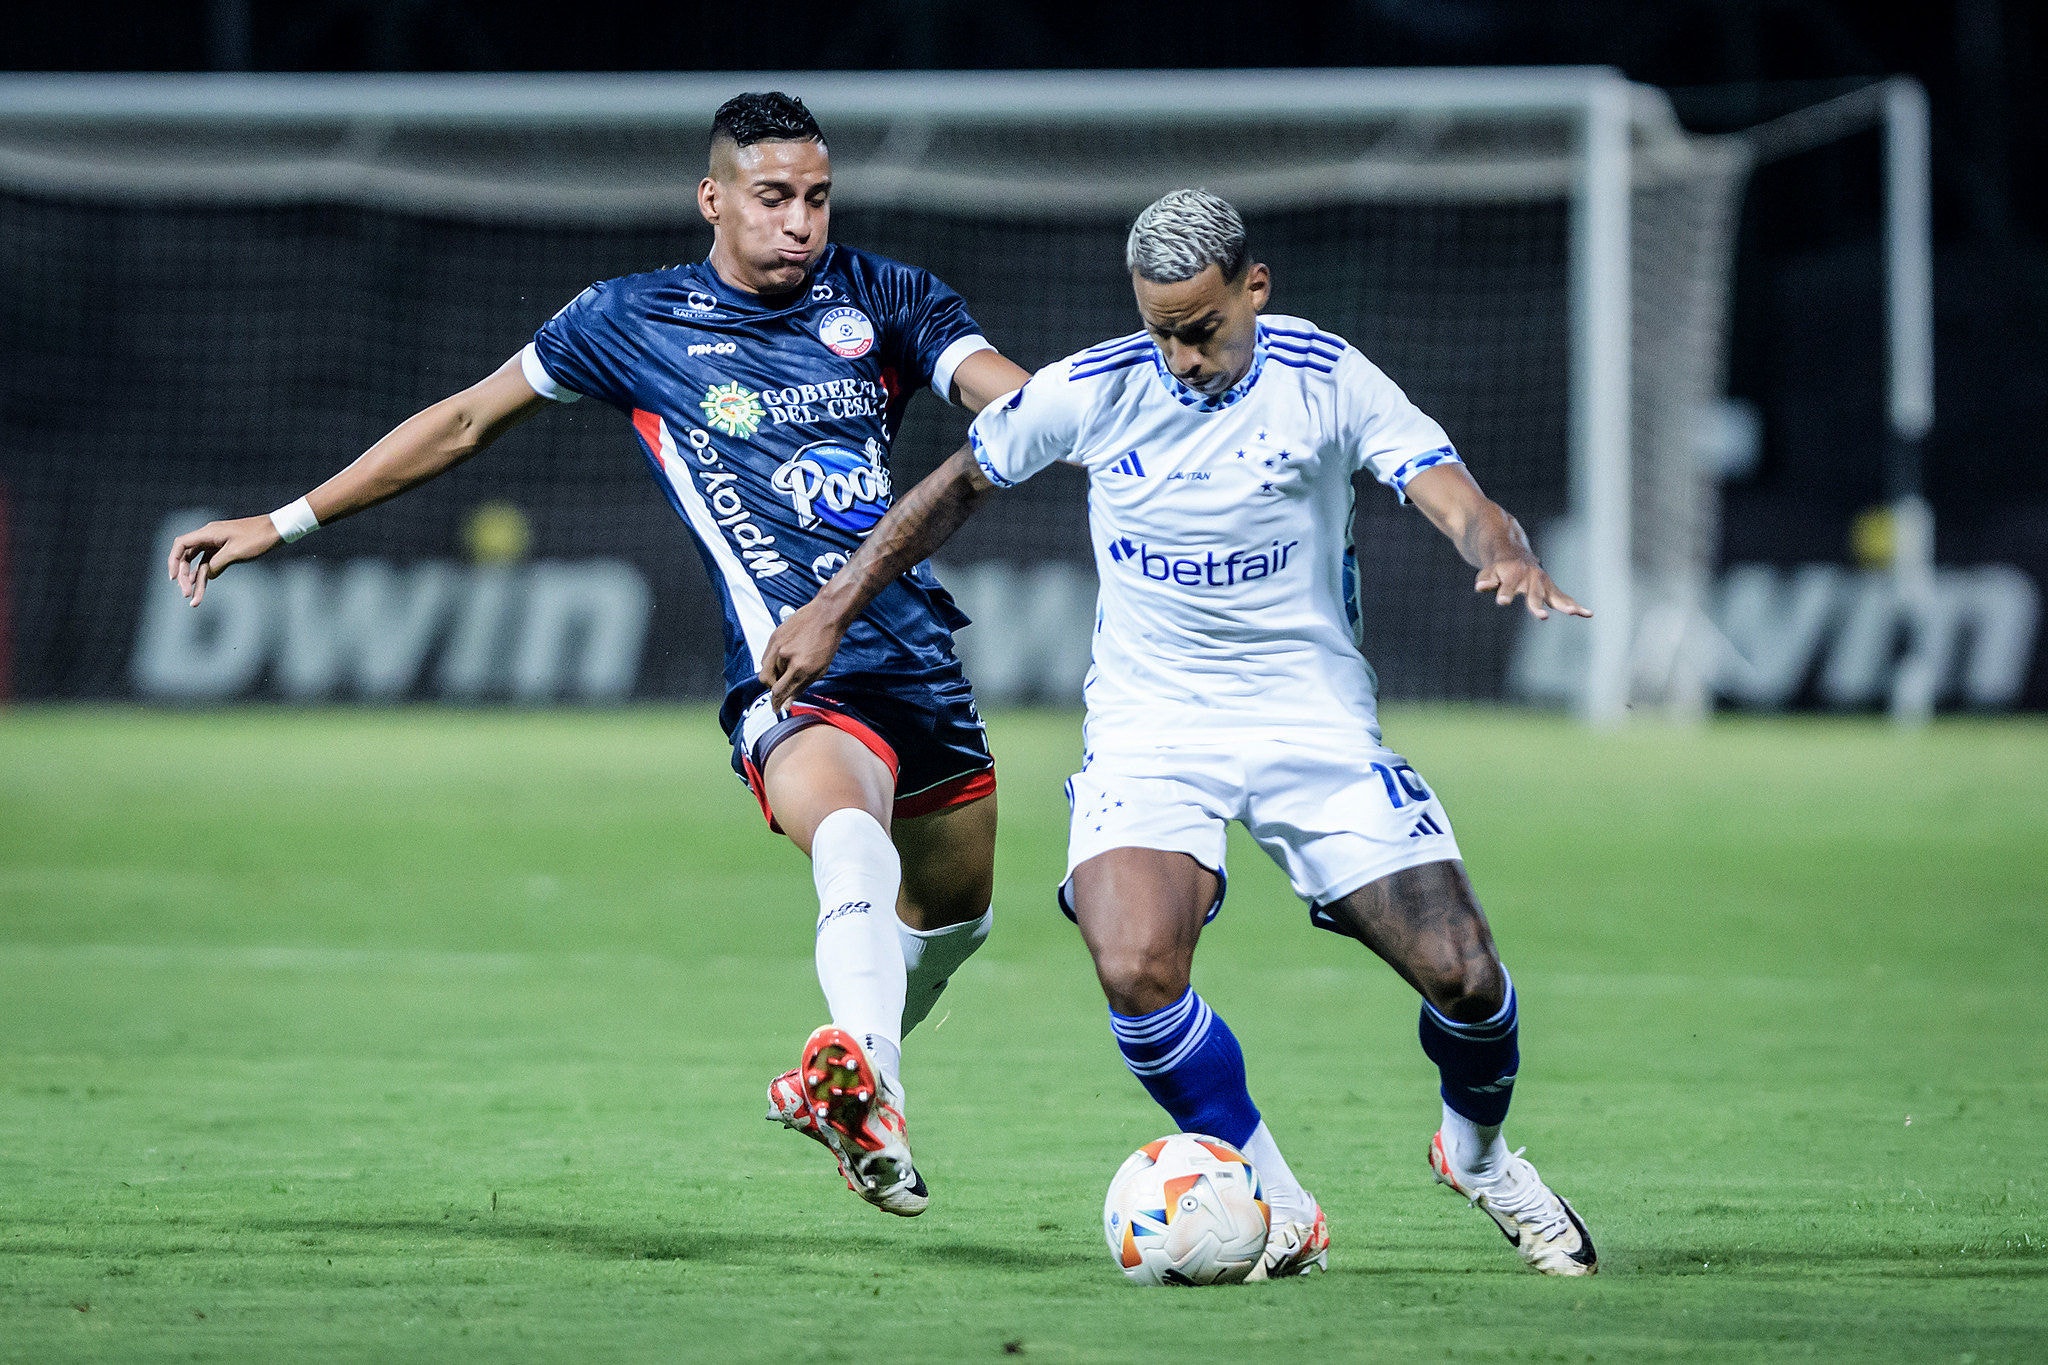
[
  {"x": 1385, "y": 435},
  {"x": 1036, "y": 426},
  {"x": 580, "y": 351},
  {"x": 939, "y": 331}
]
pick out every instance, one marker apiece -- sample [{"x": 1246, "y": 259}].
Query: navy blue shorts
[{"x": 930, "y": 735}]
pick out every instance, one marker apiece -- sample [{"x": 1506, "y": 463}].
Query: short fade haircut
[
  {"x": 764, "y": 116},
  {"x": 1184, "y": 233}
]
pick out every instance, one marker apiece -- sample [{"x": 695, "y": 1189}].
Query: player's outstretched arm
[
  {"x": 802, "y": 647},
  {"x": 427, "y": 443},
  {"x": 1490, "y": 540},
  {"x": 984, "y": 377}
]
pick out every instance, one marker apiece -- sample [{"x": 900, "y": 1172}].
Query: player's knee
[
  {"x": 1466, "y": 988},
  {"x": 1139, "y": 983}
]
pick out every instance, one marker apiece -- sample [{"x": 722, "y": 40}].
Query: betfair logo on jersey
[
  {"x": 1239, "y": 566},
  {"x": 730, "y": 409}
]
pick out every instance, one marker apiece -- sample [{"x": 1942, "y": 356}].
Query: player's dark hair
[{"x": 764, "y": 116}]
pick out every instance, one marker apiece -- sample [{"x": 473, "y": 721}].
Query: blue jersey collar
[
  {"x": 1202, "y": 402},
  {"x": 737, "y": 300}
]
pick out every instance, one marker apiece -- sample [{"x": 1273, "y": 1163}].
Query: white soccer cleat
[
  {"x": 1294, "y": 1248},
  {"x": 854, "y": 1114},
  {"x": 1544, "y": 1230}
]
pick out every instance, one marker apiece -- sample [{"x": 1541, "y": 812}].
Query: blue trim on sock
[
  {"x": 1188, "y": 1060},
  {"x": 1476, "y": 1062}
]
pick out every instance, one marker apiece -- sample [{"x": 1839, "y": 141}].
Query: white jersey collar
[{"x": 1202, "y": 402}]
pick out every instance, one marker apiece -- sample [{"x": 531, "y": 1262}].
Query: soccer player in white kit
[{"x": 1228, "y": 684}]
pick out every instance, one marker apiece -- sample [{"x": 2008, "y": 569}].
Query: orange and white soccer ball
[{"x": 1186, "y": 1209}]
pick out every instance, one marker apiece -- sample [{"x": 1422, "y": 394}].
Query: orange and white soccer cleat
[
  {"x": 1294, "y": 1248},
  {"x": 1544, "y": 1230},
  {"x": 790, "y": 1107},
  {"x": 856, "y": 1114}
]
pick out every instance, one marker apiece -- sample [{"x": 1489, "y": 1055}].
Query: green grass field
[{"x": 429, "y": 1035}]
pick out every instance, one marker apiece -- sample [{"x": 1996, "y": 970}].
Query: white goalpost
[{"x": 1541, "y": 256}]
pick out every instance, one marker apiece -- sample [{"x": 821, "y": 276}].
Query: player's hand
[
  {"x": 1524, "y": 578},
  {"x": 799, "y": 652},
  {"x": 200, "y": 555}
]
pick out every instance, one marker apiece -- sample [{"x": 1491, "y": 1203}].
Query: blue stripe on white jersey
[
  {"x": 1119, "y": 362},
  {"x": 1118, "y": 344},
  {"x": 1402, "y": 477}
]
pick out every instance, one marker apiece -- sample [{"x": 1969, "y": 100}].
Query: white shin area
[
  {"x": 1283, "y": 1192},
  {"x": 1475, "y": 1151},
  {"x": 931, "y": 956},
  {"x": 860, "y": 965}
]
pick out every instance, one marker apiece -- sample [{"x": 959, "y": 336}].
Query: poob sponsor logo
[
  {"x": 1206, "y": 570},
  {"x": 826, "y": 482},
  {"x": 847, "y": 332}
]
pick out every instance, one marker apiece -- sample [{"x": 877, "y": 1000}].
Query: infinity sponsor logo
[
  {"x": 826, "y": 482},
  {"x": 1207, "y": 571}
]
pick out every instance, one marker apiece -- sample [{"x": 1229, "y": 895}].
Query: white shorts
[{"x": 1334, "y": 815}]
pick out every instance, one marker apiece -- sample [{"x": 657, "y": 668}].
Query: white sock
[
  {"x": 930, "y": 957},
  {"x": 1283, "y": 1191},
  {"x": 860, "y": 966},
  {"x": 1475, "y": 1150}
]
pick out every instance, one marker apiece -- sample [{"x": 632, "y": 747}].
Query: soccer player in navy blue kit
[{"x": 765, "y": 384}]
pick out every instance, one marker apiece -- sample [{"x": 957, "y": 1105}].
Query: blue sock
[
  {"x": 1477, "y": 1061},
  {"x": 1189, "y": 1061}
]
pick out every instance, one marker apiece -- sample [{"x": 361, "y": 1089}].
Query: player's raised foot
[
  {"x": 1544, "y": 1230},
  {"x": 790, "y": 1107},
  {"x": 1294, "y": 1247},
  {"x": 861, "y": 1122}
]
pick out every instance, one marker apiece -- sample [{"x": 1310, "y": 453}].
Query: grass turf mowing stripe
[{"x": 433, "y": 1035}]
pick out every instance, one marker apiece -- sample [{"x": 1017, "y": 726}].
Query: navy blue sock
[
  {"x": 1476, "y": 1061},
  {"x": 1189, "y": 1061}
]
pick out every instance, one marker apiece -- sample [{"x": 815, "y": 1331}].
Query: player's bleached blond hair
[{"x": 1184, "y": 233}]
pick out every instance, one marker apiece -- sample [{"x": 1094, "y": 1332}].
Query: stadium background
[{"x": 126, "y": 342}]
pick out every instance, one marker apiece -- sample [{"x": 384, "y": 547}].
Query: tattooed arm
[{"x": 802, "y": 647}]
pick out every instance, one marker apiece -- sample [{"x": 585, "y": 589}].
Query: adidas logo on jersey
[
  {"x": 1128, "y": 465},
  {"x": 1239, "y": 566}
]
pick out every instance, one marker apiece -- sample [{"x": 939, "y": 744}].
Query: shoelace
[{"x": 1532, "y": 1203}]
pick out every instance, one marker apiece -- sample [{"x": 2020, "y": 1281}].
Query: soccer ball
[{"x": 1186, "y": 1209}]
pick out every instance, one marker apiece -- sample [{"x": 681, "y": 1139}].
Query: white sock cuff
[{"x": 976, "y": 929}]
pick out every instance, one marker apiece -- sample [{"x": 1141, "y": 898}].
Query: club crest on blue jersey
[
  {"x": 847, "y": 332},
  {"x": 827, "y": 482}
]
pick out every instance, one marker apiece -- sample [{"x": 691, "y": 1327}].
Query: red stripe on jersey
[{"x": 649, "y": 427}]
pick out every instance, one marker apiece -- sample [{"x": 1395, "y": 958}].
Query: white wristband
[{"x": 295, "y": 521}]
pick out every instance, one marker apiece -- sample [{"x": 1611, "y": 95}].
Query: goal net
[{"x": 216, "y": 292}]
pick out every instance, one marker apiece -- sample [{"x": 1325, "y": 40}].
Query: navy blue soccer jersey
[{"x": 768, "y": 426}]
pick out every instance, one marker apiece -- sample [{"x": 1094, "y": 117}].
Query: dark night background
[
  {"x": 1807, "y": 336},
  {"x": 1807, "y": 306}
]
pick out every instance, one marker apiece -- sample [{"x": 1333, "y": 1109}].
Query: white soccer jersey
[{"x": 1222, "y": 527}]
